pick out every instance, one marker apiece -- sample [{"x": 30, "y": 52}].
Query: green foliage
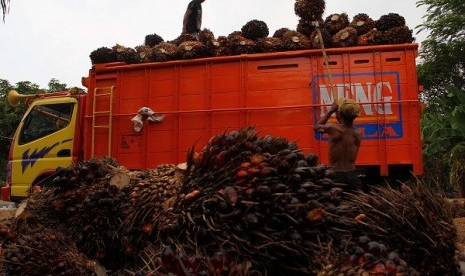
[
  {"x": 442, "y": 72},
  {"x": 444, "y": 19}
]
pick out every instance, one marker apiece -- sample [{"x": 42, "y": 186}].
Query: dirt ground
[{"x": 6, "y": 216}]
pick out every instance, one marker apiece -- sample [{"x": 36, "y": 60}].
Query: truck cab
[{"x": 44, "y": 140}]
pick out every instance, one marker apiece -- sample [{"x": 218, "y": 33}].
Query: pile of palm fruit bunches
[
  {"x": 244, "y": 204},
  {"x": 337, "y": 30}
]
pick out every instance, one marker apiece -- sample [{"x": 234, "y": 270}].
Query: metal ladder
[{"x": 102, "y": 92}]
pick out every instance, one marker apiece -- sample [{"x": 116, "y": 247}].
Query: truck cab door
[{"x": 43, "y": 141}]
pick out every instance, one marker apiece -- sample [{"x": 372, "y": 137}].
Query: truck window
[{"x": 44, "y": 120}]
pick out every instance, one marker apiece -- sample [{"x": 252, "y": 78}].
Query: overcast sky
[{"x": 45, "y": 39}]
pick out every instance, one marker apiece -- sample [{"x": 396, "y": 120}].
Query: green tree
[
  {"x": 54, "y": 85},
  {"x": 442, "y": 72}
]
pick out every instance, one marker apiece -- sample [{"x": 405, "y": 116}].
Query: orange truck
[{"x": 148, "y": 114}]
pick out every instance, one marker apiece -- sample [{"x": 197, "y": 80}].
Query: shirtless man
[
  {"x": 192, "y": 20},
  {"x": 344, "y": 141}
]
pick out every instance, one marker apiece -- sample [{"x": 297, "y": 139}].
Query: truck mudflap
[{"x": 5, "y": 193}]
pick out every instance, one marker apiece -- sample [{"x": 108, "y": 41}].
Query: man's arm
[
  {"x": 184, "y": 22},
  {"x": 321, "y": 126}
]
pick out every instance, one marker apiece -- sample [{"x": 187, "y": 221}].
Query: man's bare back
[{"x": 344, "y": 143}]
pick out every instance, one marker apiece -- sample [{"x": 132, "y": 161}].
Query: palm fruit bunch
[
  {"x": 165, "y": 51},
  {"x": 280, "y": 32},
  {"x": 7, "y": 236},
  {"x": 398, "y": 35},
  {"x": 305, "y": 27},
  {"x": 362, "y": 256},
  {"x": 102, "y": 55},
  {"x": 372, "y": 37},
  {"x": 95, "y": 230},
  {"x": 58, "y": 203},
  {"x": 388, "y": 21},
  {"x": 152, "y": 40},
  {"x": 325, "y": 35},
  {"x": 206, "y": 36},
  {"x": 183, "y": 38},
  {"x": 45, "y": 252},
  {"x": 126, "y": 54},
  {"x": 413, "y": 220},
  {"x": 224, "y": 47},
  {"x": 208, "y": 39},
  {"x": 145, "y": 53},
  {"x": 192, "y": 49},
  {"x": 241, "y": 45},
  {"x": 168, "y": 260},
  {"x": 362, "y": 23},
  {"x": 310, "y": 9},
  {"x": 244, "y": 195},
  {"x": 255, "y": 29},
  {"x": 293, "y": 40},
  {"x": 336, "y": 22},
  {"x": 83, "y": 173},
  {"x": 269, "y": 45},
  {"x": 345, "y": 38},
  {"x": 150, "y": 193}
]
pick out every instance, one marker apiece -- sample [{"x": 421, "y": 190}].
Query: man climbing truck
[{"x": 153, "y": 113}]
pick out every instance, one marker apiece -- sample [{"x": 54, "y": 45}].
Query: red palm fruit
[
  {"x": 192, "y": 194},
  {"x": 254, "y": 171},
  {"x": 378, "y": 270},
  {"x": 268, "y": 171},
  {"x": 245, "y": 165},
  {"x": 222, "y": 157},
  {"x": 391, "y": 267},
  {"x": 241, "y": 174},
  {"x": 193, "y": 262},
  {"x": 168, "y": 258},
  {"x": 218, "y": 261},
  {"x": 256, "y": 159},
  {"x": 316, "y": 214},
  {"x": 147, "y": 228},
  {"x": 230, "y": 195}
]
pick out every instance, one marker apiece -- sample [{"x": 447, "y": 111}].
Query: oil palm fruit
[
  {"x": 279, "y": 32},
  {"x": 325, "y": 35},
  {"x": 255, "y": 29},
  {"x": 372, "y": 37},
  {"x": 362, "y": 23},
  {"x": 126, "y": 54},
  {"x": 165, "y": 51},
  {"x": 336, "y": 22},
  {"x": 222, "y": 47},
  {"x": 182, "y": 38},
  {"x": 293, "y": 40},
  {"x": 269, "y": 44},
  {"x": 102, "y": 55},
  {"x": 398, "y": 35},
  {"x": 192, "y": 49},
  {"x": 345, "y": 38},
  {"x": 310, "y": 9},
  {"x": 145, "y": 53},
  {"x": 417, "y": 217},
  {"x": 206, "y": 37},
  {"x": 388, "y": 21},
  {"x": 152, "y": 40},
  {"x": 241, "y": 45}
]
